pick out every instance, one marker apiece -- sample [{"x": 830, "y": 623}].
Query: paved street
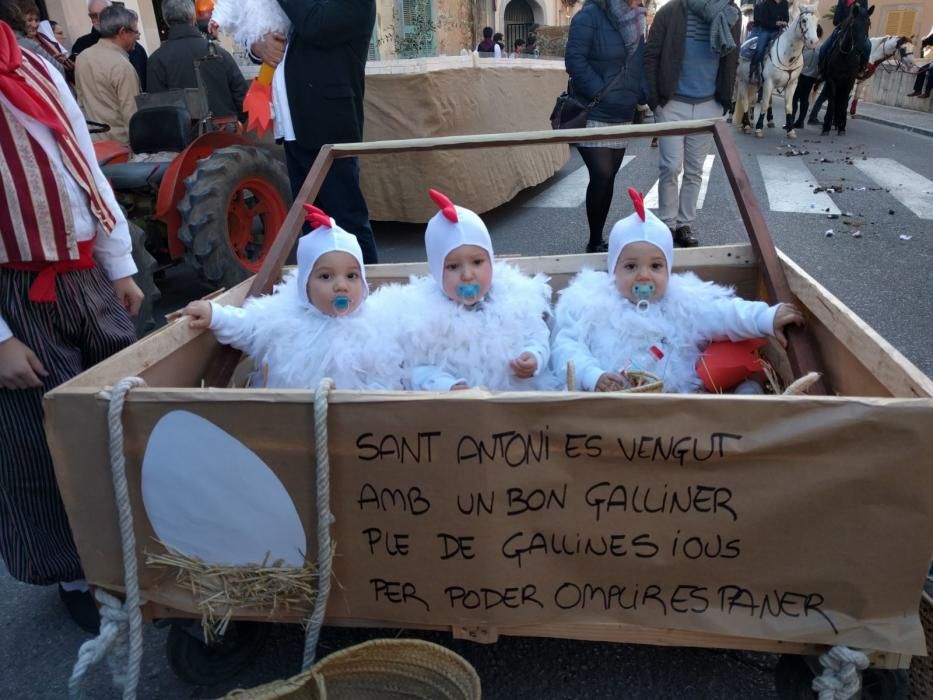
[{"x": 880, "y": 185}]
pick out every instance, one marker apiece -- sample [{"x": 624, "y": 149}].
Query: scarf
[
  {"x": 14, "y": 87},
  {"x": 628, "y": 21},
  {"x": 721, "y": 16}
]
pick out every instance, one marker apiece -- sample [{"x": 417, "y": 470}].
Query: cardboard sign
[{"x": 797, "y": 520}]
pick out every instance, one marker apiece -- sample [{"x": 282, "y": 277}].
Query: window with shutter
[
  {"x": 373, "y": 54},
  {"x": 900, "y": 22},
  {"x": 417, "y": 28}
]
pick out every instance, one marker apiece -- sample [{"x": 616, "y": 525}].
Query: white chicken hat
[
  {"x": 641, "y": 225},
  {"x": 449, "y": 229},
  {"x": 326, "y": 237}
]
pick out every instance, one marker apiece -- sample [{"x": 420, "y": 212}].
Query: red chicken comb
[
  {"x": 638, "y": 200},
  {"x": 316, "y": 217},
  {"x": 445, "y": 205}
]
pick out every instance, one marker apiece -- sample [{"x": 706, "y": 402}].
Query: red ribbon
[
  {"x": 15, "y": 88},
  {"x": 42, "y": 290}
]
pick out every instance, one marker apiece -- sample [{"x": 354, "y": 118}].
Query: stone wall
[{"x": 891, "y": 88}]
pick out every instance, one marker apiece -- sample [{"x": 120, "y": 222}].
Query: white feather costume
[
  {"x": 301, "y": 345},
  {"x": 602, "y": 331},
  {"x": 248, "y": 20},
  {"x": 445, "y": 342}
]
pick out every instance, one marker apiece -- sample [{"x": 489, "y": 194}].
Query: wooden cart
[{"x": 819, "y": 485}]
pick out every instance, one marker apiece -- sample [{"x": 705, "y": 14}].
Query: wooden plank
[
  {"x": 524, "y": 138},
  {"x": 800, "y": 350},
  {"x": 616, "y": 633},
  {"x": 881, "y": 359}
]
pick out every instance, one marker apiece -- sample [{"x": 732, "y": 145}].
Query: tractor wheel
[
  {"x": 145, "y": 269},
  {"x": 235, "y": 202}
]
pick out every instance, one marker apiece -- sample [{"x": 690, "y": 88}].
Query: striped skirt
[{"x": 86, "y": 325}]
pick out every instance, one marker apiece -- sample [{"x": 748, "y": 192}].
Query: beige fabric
[
  {"x": 107, "y": 87},
  {"x": 452, "y": 97}
]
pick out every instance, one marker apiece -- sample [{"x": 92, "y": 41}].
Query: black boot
[
  {"x": 82, "y": 608},
  {"x": 597, "y": 247},
  {"x": 684, "y": 238}
]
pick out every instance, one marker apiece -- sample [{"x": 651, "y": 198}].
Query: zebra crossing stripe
[
  {"x": 790, "y": 184},
  {"x": 651, "y": 199},
  {"x": 908, "y": 187},
  {"x": 568, "y": 192}
]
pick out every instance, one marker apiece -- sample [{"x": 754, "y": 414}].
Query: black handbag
[{"x": 570, "y": 113}]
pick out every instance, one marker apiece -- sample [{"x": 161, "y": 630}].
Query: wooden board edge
[
  {"x": 614, "y": 633},
  {"x": 898, "y": 374}
]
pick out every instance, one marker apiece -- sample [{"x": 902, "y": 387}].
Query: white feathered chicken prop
[{"x": 247, "y": 21}]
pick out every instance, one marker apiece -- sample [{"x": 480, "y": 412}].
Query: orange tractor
[{"x": 194, "y": 189}]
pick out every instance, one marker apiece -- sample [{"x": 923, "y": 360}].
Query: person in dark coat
[
  {"x": 324, "y": 67},
  {"x": 171, "y": 66},
  {"x": 605, "y": 50},
  {"x": 138, "y": 55}
]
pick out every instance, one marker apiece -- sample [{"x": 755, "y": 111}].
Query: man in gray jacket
[{"x": 687, "y": 79}]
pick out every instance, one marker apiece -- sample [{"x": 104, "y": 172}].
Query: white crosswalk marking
[
  {"x": 789, "y": 184},
  {"x": 569, "y": 192},
  {"x": 909, "y": 188},
  {"x": 651, "y": 200}
]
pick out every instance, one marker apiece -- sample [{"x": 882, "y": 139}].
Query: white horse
[
  {"x": 780, "y": 69},
  {"x": 883, "y": 49}
]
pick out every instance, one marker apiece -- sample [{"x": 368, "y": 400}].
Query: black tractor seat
[{"x": 136, "y": 176}]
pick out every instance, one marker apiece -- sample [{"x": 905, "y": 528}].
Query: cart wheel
[
  {"x": 199, "y": 663},
  {"x": 793, "y": 680}
]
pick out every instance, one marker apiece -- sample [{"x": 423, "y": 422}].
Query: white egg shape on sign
[{"x": 209, "y": 496}]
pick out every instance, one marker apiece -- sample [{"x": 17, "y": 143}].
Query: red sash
[{"x": 42, "y": 290}]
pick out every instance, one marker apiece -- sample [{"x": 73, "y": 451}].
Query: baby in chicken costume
[
  {"x": 473, "y": 322},
  {"x": 315, "y": 324},
  {"x": 640, "y": 316}
]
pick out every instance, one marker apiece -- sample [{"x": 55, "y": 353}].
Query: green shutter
[{"x": 417, "y": 19}]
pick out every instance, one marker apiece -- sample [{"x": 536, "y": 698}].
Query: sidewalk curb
[{"x": 922, "y": 130}]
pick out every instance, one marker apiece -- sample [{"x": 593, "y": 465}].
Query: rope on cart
[
  {"x": 324, "y": 521},
  {"x": 841, "y": 678},
  {"x": 121, "y": 629}
]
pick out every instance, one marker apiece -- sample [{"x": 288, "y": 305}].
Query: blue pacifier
[
  {"x": 468, "y": 292},
  {"x": 341, "y": 302},
  {"x": 643, "y": 291}
]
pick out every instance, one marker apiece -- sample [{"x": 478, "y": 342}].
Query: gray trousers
[{"x": 678, "y": 202}]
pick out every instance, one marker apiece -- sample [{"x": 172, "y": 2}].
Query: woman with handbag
[{"x": 604, "y": 60}]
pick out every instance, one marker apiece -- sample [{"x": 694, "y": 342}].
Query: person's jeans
[
  {"x": 678, "y": 205},
  {"x": 764, "y": 36},
  {"x": 340, "y": 196}
]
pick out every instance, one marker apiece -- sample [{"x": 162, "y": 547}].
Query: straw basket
[
  {"x": 921, "y": 667},
  {"x": 381, "y": 669},
  {"x": 641, "y": 382}
]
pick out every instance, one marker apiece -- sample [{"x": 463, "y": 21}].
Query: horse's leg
[
  {"x": 830, "y": 106},
  {"x": 765, "y": 100},
  {"x": 843, "y": 102},
  {"x": 770, "y": 116},
  {"x": 789, "y": 91}
]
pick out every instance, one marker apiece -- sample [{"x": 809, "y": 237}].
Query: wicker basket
[
  {"x": 381, "y": 669},
  {"x": 921, "y": 667}
]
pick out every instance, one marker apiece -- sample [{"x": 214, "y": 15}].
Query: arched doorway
[{"x": 519, "y": 19}]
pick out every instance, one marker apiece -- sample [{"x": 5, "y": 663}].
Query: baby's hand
[
  {"x": 200, "y": 313},
  {"x": 610, "y": 381},
  {"x": 786, "y": 315},
  {"x": 459, "y": 386},
  {"x": 525, "y": 366}
]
